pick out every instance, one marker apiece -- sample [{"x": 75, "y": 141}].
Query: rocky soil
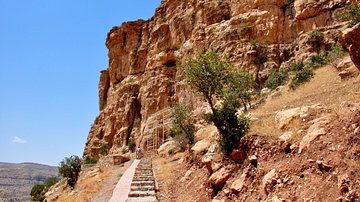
[{"x": 317, "y": 162}]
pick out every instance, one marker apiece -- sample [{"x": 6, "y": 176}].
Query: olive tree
[
  {"x": 182, "y": 128},
  {"x": 213, "y": 76},
  {"x": 70, "y": 168}
]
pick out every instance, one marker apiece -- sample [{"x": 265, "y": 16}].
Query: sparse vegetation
[
  {"x": 130, "y": 81},
  {"x": 131, "y": 146},
  {"x": 305, "y": 71},
  {"x": 90, "y": 160},
  {"x": 182, "y": 129},
  {"x": 336, "y": 51},
  {"x": 104, "y": 149},
  {"x": 70, "y": 168},
  {"x": 316, "y": 38},
  {"x": 351, "y": 13},
  {"x": 38, "y": 191},
  {"x": 301, "y": 74},
  {"x": 137, "y": 122},
  {"x": 276, "y": 78},
  {"x": 213, "y": 76}
]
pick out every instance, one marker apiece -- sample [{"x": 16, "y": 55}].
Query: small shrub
[
  {"x": 182, "y": 128},
  {"x": 131, "y": 146},
  {"x": 130, "y": 81},
  {"x": 170, "y": 152},
  {"x": 70, "y": 169},
  {"x": 246, "y": 28},
  {"x": 316, "y": 35},
  {"x": 336, "y": 51},
  {"x": 301, "y": 76},
  {"x": 253, "y": 43},
  {"x": 137, "y": 122},
  {"x": 104, "y": 149},
  {"x": 276, "y": 78},
  {"x": 90, "y": 160},
  {"x": 297, "y": 66},
  {"x": 317, "y": 61},
  {"x": 351, "y": 13}
]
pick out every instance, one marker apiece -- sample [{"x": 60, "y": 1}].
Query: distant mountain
[{"x": 16, "y": 180}]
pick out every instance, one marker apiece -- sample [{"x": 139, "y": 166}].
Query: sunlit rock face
[{"x": 144, "y": 72}]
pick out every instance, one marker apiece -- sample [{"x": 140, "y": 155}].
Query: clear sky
[{"x": 51, "y": 54}]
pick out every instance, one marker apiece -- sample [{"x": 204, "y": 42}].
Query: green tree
[
  {"x": 242, "y": 84},
  {"x": 38, "y": 191},
  {"x": 70, "y": 168},
  {"x": 212, "y": 76},
  {"x": 182, "y": 128}
]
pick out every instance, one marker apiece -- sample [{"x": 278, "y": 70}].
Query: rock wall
[{"x": 143, "y": 74}]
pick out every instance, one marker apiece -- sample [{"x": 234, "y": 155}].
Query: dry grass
[
  {"x": 163, "y": 169},
  {"x": 86, "y": 187},
  {"x": 185, "y": 198},
  {"x": 326, "y": 88}
]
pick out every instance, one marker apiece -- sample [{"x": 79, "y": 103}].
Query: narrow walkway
[
  {"x": 143, "y": 184},
  {"x": 122, "y": 189}
]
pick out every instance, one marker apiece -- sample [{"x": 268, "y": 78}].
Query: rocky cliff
[{"x": 144, "y": 74}]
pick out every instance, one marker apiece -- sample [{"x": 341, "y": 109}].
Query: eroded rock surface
[{"x": 143, "y": 75}]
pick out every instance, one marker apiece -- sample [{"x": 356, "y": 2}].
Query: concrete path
[{"x": 122, "y": 189}]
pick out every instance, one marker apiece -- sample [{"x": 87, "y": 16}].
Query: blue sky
[{"x": 51, "y": 54}]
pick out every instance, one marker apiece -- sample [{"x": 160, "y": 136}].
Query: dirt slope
[{"x": 325, "y": 170}]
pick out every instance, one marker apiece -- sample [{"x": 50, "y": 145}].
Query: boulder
[
  {"x": 269, "y": 181},
  {"x": 238, "y": 184},
  {"x": 350, "y": 41},
  {"x": 220, "y": 177},
  {"x": 201, "y": 146},
  {"x": 314, "y": 131},
  {"x": 166, "y": 147}
]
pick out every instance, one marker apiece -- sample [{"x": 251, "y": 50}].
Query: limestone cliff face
[{"x": 143, "y": 74}]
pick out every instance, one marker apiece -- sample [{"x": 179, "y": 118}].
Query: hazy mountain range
[{"x": 16, "y": 180}]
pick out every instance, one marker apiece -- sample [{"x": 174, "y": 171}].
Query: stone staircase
[{"x": 143, "y": 183}]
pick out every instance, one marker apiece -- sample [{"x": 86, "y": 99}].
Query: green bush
[
  {"x": 70, "y": 169},
  {"x": 301, "y": 76},
  {"x": 104, "y": 149},
  {"x": 297, "y": 66},
  {"x": 90, "y": 160},
  {"x": 317, "y": 60},
  {"x": 336, "y": 51},
  {"x": 351, "y": 13},
  {"x": 38, "y": 191},
  {"x": 275, "y": 79},
  {"x": 182, "y": 125},
  {"x": 131, "y": 146}
]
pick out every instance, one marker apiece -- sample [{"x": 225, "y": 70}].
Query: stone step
[
  {"x": 143, "y": 171},
  {"x": 143, "y": 175},
  {"x": 143, "y": 178},
  {"x": 142, "y": 199},
  {"x": 142, "y": 188},
  {"x": 143, "y": 183},
  {"x": 144, "y": 168},
  {"x": 141, "y": 193}
]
